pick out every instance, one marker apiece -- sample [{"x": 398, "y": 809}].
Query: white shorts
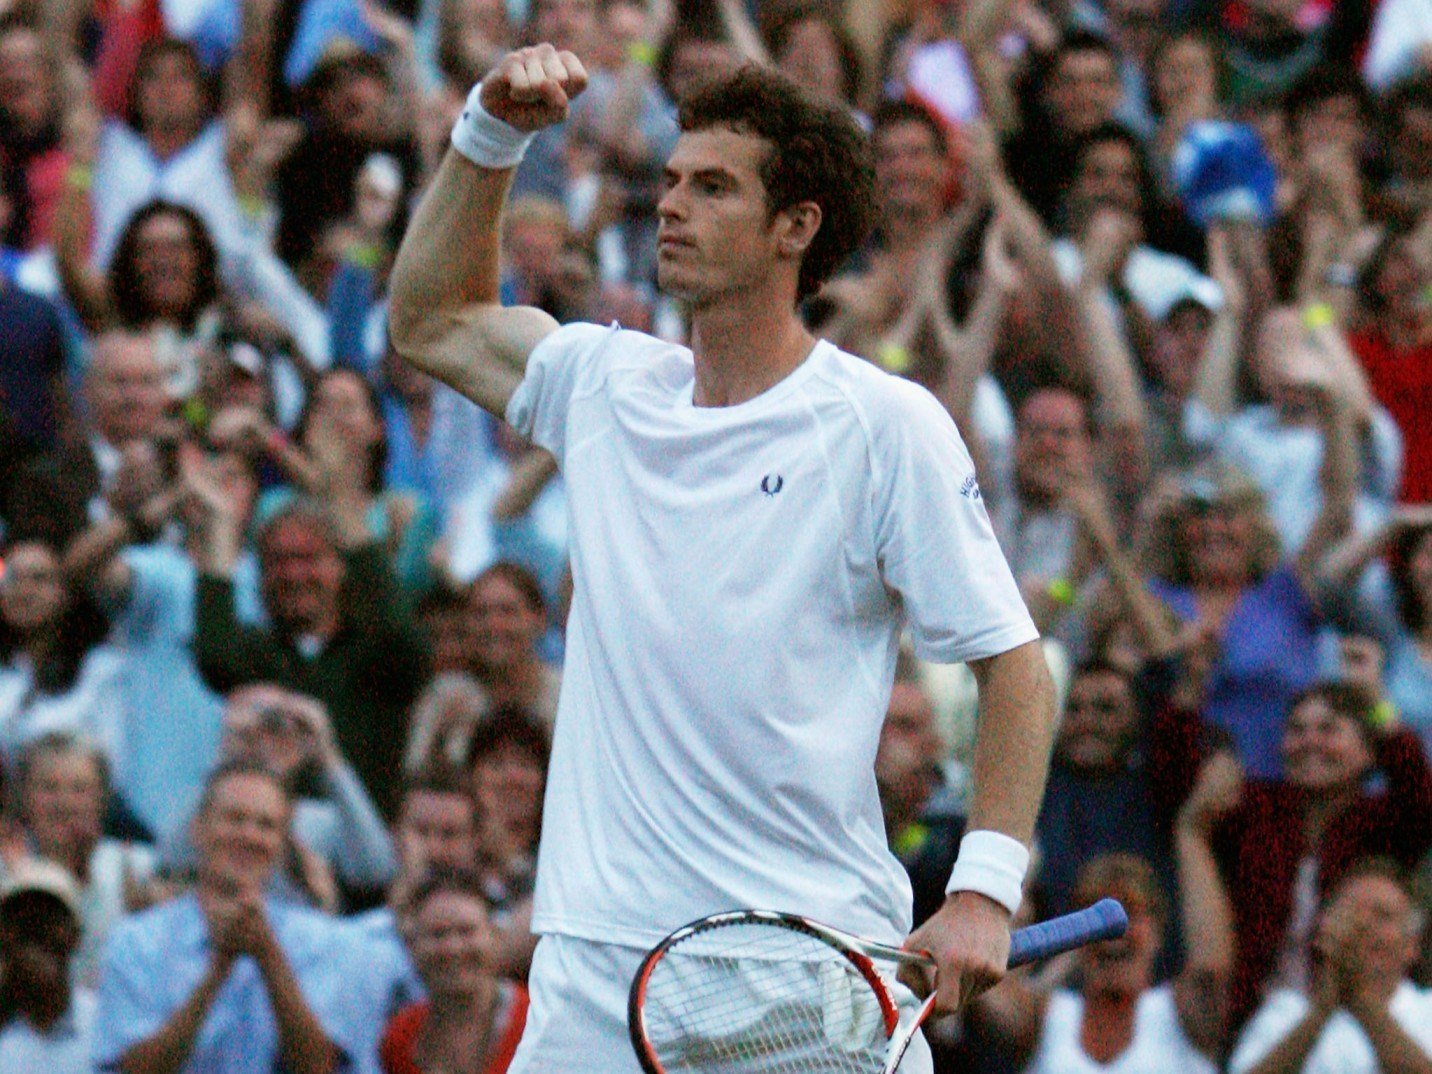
[{"x": 577, "y": 1021}]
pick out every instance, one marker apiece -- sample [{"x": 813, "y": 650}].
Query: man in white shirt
[
  {"x": 1363, "y": 1014},
  {"x": 754, "y": 521}
]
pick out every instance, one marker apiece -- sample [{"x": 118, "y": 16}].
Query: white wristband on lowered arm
[
  {"x": 993, "y": 864},
  {"x": 486, "y": 140}
]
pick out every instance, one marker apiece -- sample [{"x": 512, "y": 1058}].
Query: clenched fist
[{"x": 532, "y": 88}]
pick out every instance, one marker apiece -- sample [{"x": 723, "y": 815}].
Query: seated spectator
[
  {"x": 470, "y": 1019},
  {"x": 1118, "y": 1017},
  {"x": 63, "y": 790},
  {"x": 339, "y": 632},
  {"x": 1282, "y": 843},
  {"x": 1360, "y": 1013},
  {"x": 337, "y": 834},
  {"x": 126, "y": 406},
  {"x": 1380, "y": 586},
  {"x": 225, "y": 978},
  {"x": 436, "y": 829},
  {"x": 46, "y": 1023},
  {"x": 1122, "y": 763},
  {"x": 508, "y": 759},
  {"x": 54, "y": 673},
  {"x": 923, "y": 818},
  {"x": 494, "y": 634}
]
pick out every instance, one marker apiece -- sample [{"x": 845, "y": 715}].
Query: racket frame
[{"x": 860, "y": 953}]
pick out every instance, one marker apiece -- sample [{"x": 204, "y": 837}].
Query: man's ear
[{"x": 799, "y": 224}]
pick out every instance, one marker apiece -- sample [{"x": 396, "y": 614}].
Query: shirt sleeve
[
  {"x": 564, "y": 366},
  {"x": 935, "y": 543},
  {"x": 127, "y": 1010}
]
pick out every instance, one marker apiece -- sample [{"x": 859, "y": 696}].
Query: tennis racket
[{"x": 760, "y": 992}]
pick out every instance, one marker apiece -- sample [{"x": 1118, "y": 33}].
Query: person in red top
[
  {"x": 471, "y": 1021},
  {"x": 1394, "y": 345},
  {"x": 1284, "y": 844}
]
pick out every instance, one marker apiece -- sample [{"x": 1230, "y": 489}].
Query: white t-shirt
[
  {"x": 1159, "y": 1043},
  {"x": 1343, "y": 1047},
  {"x": 741, "y": 577}
]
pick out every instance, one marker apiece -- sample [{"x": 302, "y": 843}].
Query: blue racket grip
[{"x": 1103, "y": 921}]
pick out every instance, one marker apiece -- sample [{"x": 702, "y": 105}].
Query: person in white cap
[{"x": 47, "y": 1023}]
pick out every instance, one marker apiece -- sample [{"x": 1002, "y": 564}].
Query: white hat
[{"x": 39, "y": 874}]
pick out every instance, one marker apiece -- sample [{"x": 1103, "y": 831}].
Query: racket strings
[{"x": 758, "y": 998}]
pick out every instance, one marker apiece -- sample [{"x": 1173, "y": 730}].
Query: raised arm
[
  {"x": 444, "y": 315},
  {"x": 1201, "y": 991}
]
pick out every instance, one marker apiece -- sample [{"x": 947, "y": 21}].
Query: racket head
[{"x": 758, "y": 990}]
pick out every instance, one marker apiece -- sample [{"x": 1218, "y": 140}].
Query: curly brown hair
[{"x": 818, "y": 153}]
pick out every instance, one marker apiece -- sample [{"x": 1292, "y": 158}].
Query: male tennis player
[{"x": 754, "y": 521}]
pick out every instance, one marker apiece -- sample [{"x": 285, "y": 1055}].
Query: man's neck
[
  {"x": 165, "y": 141},
  {"x": 744, "y": 349},
  {"x": 512, "y": 683},
  {"x": 908, "y": 230}
]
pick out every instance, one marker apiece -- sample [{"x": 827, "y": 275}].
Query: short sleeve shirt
[
  {"x": 1342, "y": 1047},
  {"x": 742, "y": 577}
]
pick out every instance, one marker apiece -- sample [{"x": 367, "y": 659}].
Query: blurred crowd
[{"x": 281, "y": 620}]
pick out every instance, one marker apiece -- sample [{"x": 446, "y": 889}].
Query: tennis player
[{"x": 754, "y": 521}]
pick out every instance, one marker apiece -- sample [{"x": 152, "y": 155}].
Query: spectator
[
  {"x": 1360, "y": 1013},
  {"x": 170, "y": 718},
  {"x": 63, "y": 793},
  {"x": 470, "y": 1019},
  {"x": 337, "y": 834},
  {"x": 169, "y": 146},
  {"x": 501, "y": 622},
  {"x": 54, "y": 673},
  {"x": 1394, "y": 346},
  {"x": 1078, "y": 91},
  {"x": 436, "y": 829},
  {"x": 1269, "y": 47},
  {"x": 339, "y": 630},
  {"x": 1122, "y": 763},
  {"x": 224, "y": 978},
  {"x": 1283, "y": 842},
  {"x": 508, "y": 758},
  {"x": 923, "y": 818},
  {"x": 31, "y": 113},
  {"x": 1118, "y": 1014},
  {"x": 34, "y": 399},
  {"x": 1212, "y": 556},
  {"x": 46, "y": 1023},
  {"x": 1389, "y": 599},
  {"x": 341, "y": 428},
  {"x": 126, "y": 408}
]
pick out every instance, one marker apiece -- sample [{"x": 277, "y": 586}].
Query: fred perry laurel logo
[
  {"x": 772, "y": 484},
  {"x": 971, "y": 488}
]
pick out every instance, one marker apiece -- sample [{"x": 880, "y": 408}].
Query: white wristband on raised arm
[
  {"x": 486, "y": 140},
  {"x": 993, "y": 864}
]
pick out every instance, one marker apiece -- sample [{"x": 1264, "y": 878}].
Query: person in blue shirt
[{"x": 226, "y": 981}]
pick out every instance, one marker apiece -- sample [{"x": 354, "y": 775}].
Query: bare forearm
[
  {"x": 1293, "y": 1050},
  {"x": 1397, "y": 1053},
  {"x": 1202, "y": 989},
  {"x": 1013, "y": 740},
  {"x": 1337, "y": 481},
  {"x": 303, "y": 1045},
  {"x": 168, "y": 1050}
]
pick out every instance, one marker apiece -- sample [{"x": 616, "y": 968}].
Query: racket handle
[{"x": 1102, "y": 921}]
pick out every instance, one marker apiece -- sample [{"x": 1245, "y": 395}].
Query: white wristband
[
  {"x": 993, "y": 864},
  {"x": 486, "y": 140}
]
